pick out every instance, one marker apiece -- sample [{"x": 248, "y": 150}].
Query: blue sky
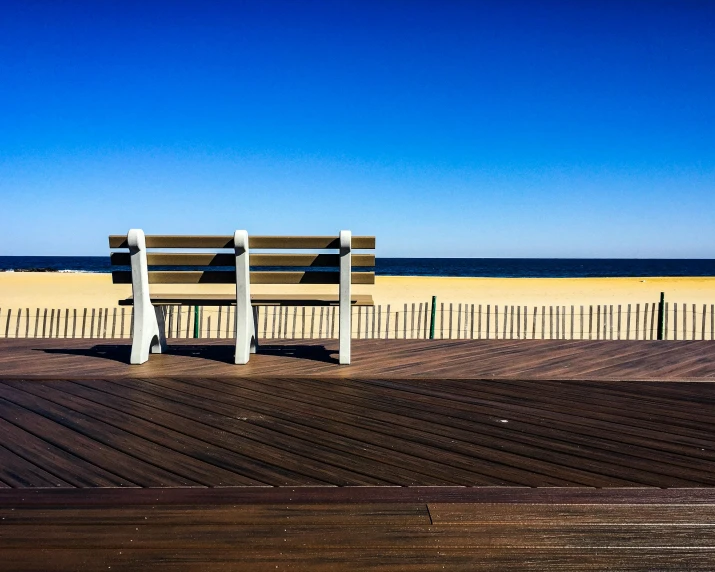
[{"x": 452, "y": 128}]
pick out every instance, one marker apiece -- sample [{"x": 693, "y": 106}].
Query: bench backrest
[{"x": 219, "y": 267}]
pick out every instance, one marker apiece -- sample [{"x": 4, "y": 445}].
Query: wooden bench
[{"x": 235, "y": 268}]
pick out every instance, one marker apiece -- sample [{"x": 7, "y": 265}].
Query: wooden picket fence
[{"x": 408, "y": 321}]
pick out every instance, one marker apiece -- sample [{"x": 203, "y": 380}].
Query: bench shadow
[{"x": 219, "y": 353}]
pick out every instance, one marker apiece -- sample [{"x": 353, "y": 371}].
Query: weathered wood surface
[
  {"x": 226, "y": 241},
  {"x": 388, "y": 537},
  {"x": 229, "y": 277},
  {"x": 223, "y": 259},
  {"x": 256, "y": 299},
  {"x": 372, "y": 358},
  {"x": 192, "y": 463},
  {"x": 420, "y": 414}
]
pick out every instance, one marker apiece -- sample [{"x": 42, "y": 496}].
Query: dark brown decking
[
  {"x": 465, "y": 454},
  {"x": 400, "y": 416},
  {"x": 382, "y": 359}
]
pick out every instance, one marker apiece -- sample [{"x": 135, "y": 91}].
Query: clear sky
[{"x": 446, "y": 128}]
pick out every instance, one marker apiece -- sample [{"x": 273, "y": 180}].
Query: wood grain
[
  {"x": 226, "y": 241},
  {"x": 229, "y": 277},
  {"x": 223, "y": 259}
]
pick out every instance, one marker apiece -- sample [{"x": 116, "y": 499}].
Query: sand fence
[{"x": 647, "y": 321}]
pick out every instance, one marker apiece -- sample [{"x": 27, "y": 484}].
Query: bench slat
[
  {"x": 225, "y": 259},
  {"x": 229, "y": 277},
  {"x": 256, "y": 299},
  {"x": 215, "y": 241}
]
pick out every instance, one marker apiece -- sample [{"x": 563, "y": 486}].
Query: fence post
[
  {"x": 433, "y": 317},
  {"x": 661, "y": 316}
]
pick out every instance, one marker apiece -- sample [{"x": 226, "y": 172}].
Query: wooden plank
[
  {"x": 551, "y": 329},
  {"x": 637, "y": 323},
  {"x": 487, "y": 321},
  {"x": 37, "y": 321},
  {"x": 546, "y": 515},
  {"x": 419, "y": 320},
  {"x": 226, "y": 277},
  {"x": 459, "y": 320},
  {"x": 449, "y": 335},
  {"x": 404, "y": 319},
  {"x": 610, "y": 320},
  {"x": 471, "y": 322},
  {"x": 40, "y": 502},
  {"x": 387, "y": 323},
  {"x": 225, "y": 259},
  {"x": 518, "y": 322},
  {"x": 226, "y": 241},
  {"x": 479, "y": 322},
  {"x": 19, "y": 317}
]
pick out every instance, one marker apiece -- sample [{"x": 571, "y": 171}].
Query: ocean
[{"x": 461, "y": 267}]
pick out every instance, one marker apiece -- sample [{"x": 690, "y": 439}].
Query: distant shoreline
[{"x": 432, "y": 267}]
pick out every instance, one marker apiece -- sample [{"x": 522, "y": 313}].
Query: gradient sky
[{"x": 446, "y": 128}]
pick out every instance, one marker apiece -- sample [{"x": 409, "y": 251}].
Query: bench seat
[{"x": 256, "y": 300}]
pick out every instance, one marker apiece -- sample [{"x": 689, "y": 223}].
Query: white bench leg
[
  {"x": 245, "y": 318},
  {"x": 345, "y": 293},
  {"x": 148, "y": 330},
  {"x": 148, "y": 334}
]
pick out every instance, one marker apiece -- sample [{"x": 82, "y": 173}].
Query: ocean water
[{"x": 463, "y": 267}]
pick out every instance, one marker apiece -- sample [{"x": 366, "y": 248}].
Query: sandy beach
[{"x": 80, "y": 290}]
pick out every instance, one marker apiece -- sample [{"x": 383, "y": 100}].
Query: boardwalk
[
  {"x": 466, "y": 454},
  {"x": 381, "y": 359}
]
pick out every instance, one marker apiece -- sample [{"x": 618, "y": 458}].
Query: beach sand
[{"x": 80, "y": 290}]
